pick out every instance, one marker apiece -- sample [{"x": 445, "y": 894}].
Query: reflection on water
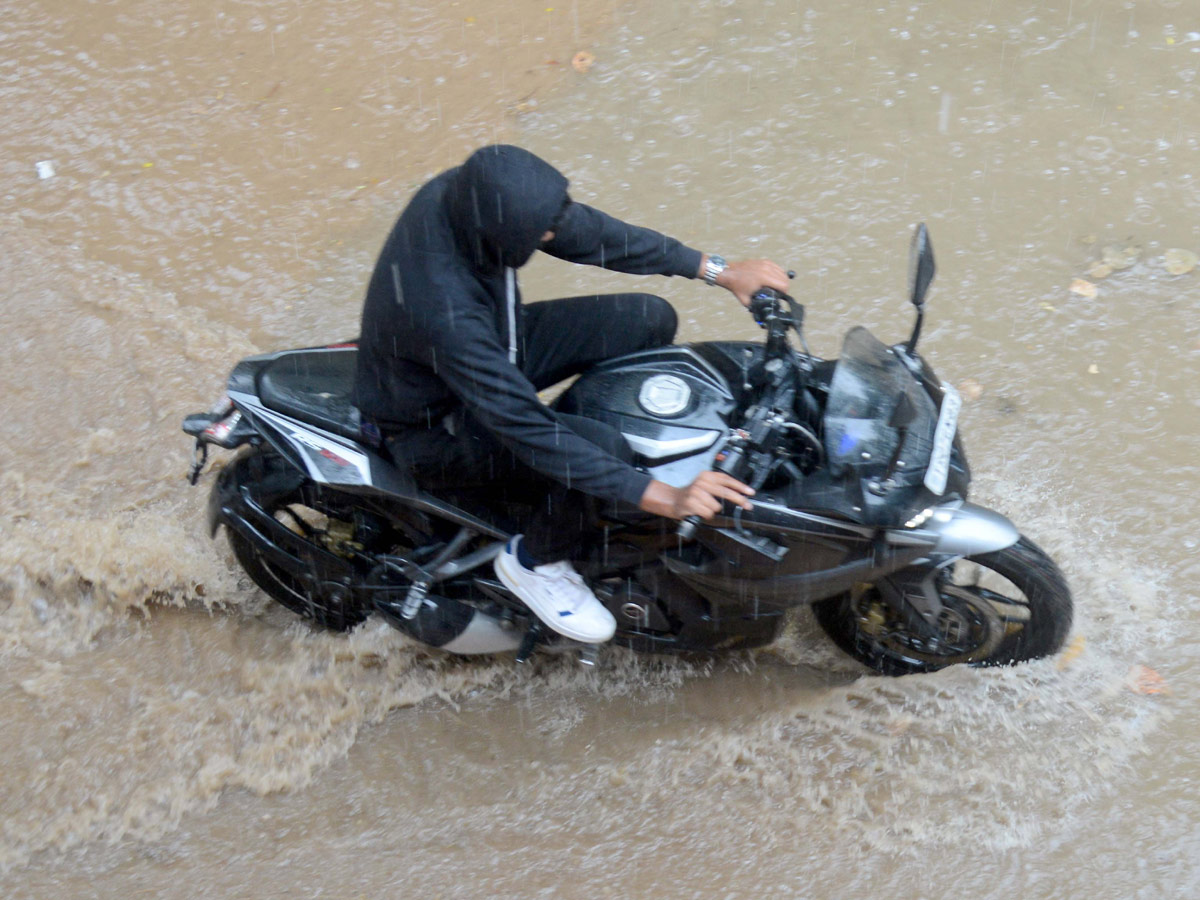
[{"x": 223, "y": 177}]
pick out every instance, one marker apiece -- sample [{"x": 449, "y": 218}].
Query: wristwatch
[{"x": 713, "y": 267}]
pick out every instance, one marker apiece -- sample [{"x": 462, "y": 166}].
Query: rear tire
[
  {"x": 334, "y": 613},
  {"x": 1035, "y": 621},
  {"x": 281, "y": 493}
]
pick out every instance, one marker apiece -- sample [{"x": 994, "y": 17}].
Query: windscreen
[{"x": 867, "y": 385}]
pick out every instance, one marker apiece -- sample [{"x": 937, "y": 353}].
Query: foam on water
[{"x": 255, "y": 700}]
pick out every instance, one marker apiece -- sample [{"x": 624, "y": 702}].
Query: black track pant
[{"x": 462, "y": 462}]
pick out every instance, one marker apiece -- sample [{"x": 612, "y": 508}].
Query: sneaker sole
[{"x": 501, "y": 566}]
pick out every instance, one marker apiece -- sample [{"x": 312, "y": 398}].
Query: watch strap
[{"x": 714, "y": 265}]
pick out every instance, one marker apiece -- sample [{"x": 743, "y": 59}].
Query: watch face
[{"x": 664, "y": 395}]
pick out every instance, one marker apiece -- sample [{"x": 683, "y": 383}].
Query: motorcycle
[{"x": 860, "y": 510}]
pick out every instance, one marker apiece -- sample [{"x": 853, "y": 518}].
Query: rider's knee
[{"x": 660, "y": 320}]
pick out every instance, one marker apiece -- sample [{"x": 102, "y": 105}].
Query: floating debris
[
  {"x": 1083, "y": 288},
  {"x": 1121, "y": 257},
  {"x": 45, "y": 169},
  {"x": 971, "y": 390},
  {"x": 1093, "y": 369},
  {"x": 1073, "y": 652},
  {"x": 1179, "y": 262},
  {"x": 1144, "y": 680},
  {"x": 582, "y": 61}
]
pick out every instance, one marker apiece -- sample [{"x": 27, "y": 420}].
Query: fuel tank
[{"x": 672, "y": 405}]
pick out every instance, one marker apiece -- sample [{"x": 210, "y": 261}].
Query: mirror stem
[{"x": 911, "y": 346}]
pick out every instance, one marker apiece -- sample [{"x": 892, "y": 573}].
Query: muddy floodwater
[{"x": 185, "y": 184}]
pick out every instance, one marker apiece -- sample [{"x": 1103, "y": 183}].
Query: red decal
[{"x": 329, "y": 454}]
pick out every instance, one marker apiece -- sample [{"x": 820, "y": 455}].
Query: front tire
[{"x": 1017, "y": 608}]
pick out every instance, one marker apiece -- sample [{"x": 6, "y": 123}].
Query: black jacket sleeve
[
  {"x": 470, "y": 360},
  {"x": 589, "y": 236}
]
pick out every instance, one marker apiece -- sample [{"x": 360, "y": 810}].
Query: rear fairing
[{"x": 298, "y": 401}]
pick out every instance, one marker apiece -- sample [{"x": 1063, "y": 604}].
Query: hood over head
[{"x": 501, "y": 201}]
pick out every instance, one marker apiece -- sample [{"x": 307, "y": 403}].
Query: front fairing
[
  {"x": 876, "y": 457},
  {"x": 677, "y": 446}
]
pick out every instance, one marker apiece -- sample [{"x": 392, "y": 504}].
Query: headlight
[{"x": 919, "y": 519}]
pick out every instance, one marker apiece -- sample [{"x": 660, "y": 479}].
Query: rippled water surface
[{"x": 223, "y": 175}]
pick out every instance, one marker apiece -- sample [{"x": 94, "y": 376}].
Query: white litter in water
[
  {"x": 45, "y": 169},
  {"x": 944, "y": 115}
]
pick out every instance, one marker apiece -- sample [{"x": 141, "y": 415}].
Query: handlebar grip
[{"x": 687, "y": 528}]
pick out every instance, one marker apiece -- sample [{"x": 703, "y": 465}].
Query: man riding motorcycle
[{"x": 450, "y": 363}]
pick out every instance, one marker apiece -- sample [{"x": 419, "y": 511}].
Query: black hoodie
[{"x": 441, "y": 322}]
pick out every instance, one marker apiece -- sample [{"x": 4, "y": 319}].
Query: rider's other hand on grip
[
  {"x": 700, "y": 498},
  {"x": 744, "y": 278}
]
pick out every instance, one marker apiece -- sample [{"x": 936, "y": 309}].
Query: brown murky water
[{"x": 223, "y": 174}]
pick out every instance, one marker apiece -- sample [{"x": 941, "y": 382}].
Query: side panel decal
[{"x": 328, "y": 458}]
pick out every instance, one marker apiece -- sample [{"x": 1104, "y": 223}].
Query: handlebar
[
  {"x": 732, "y": 460},
  {"x": 769, "y": 311},
  {"x": 778, "y": 313}
]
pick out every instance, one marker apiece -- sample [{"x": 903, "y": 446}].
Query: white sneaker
[{"x": 558, "y": 596}]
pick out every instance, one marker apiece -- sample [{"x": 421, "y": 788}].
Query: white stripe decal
[{"x": 657, "y": 449}]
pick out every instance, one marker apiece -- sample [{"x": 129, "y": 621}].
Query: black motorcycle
[{"x": 861, "y": 507}]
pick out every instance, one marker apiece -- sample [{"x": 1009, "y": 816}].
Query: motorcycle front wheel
[{"x": 1000, "y": 608}]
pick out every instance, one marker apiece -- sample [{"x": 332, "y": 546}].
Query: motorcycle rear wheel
[
  {"x": 1018, "y": 608},
  {"x": 335, "y": 608},
  {"x": 337, "y": 613}
]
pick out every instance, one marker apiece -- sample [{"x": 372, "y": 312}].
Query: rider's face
[{"x": 547, "y": 237}]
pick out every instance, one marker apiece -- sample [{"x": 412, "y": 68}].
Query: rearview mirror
[{"x": 920, "y": 266}]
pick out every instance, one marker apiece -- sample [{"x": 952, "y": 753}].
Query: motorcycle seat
[{"x": 314, "y": 386}]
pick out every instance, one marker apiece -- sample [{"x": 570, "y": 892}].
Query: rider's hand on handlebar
[
  {"x": 700, "y": 498},
  {"x": 746, "y": 277}
]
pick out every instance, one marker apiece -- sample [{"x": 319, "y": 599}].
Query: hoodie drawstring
[{"x": 510, "y": 289}]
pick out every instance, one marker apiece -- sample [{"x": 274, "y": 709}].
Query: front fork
[{"x": 958, "y": 530}]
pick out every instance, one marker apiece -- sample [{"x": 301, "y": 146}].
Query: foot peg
[
  {"x": 532, "y": 636},
  {"x": 539, "y": 634},
  {"x": 588, "y": 654}
]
